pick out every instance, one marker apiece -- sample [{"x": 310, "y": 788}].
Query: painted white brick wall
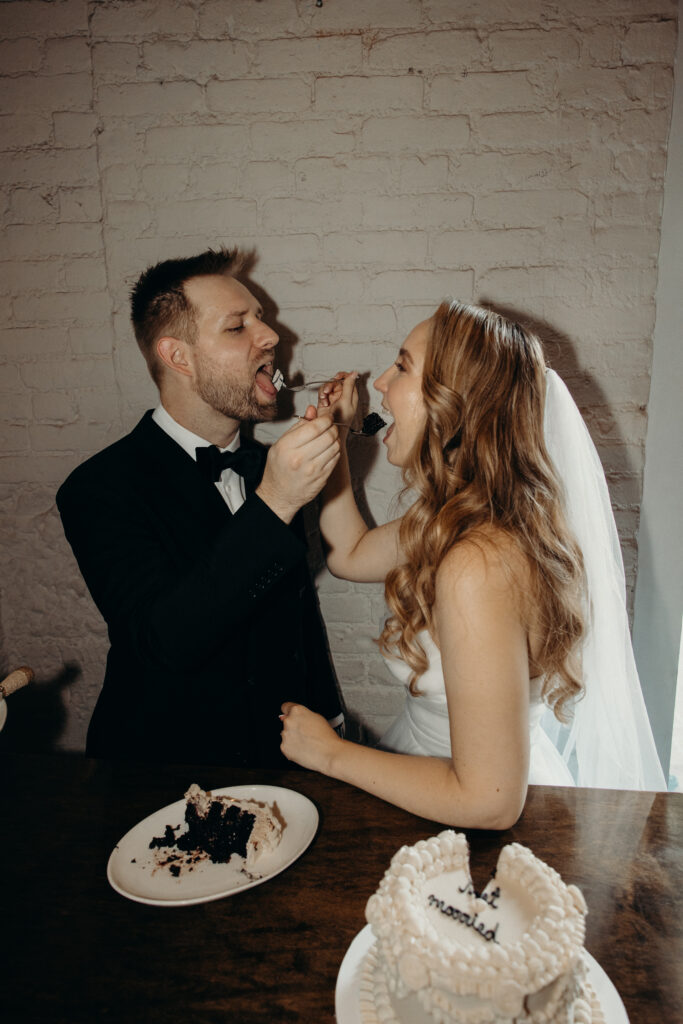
[{"x": 378, "y": 156}]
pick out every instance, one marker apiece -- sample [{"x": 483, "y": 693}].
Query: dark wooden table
[{"x": 73, "y": 950}]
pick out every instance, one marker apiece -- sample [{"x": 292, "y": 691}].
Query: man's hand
[{"x": 299, "y": 464}]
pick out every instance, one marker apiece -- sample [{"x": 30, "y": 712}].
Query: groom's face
[{"x": 232, "y": 356}]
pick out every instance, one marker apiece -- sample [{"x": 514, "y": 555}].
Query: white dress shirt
[{"x": 230, "y": 484}]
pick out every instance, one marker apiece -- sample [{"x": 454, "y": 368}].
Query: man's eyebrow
[{"x": 234, "y": 314}]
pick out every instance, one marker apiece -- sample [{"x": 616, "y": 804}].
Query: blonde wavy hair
[{"x": 481, "y": 461}]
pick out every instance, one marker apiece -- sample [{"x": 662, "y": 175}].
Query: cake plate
[
  {"x": 135, "y": 873},
  {"x": 347, "y": 1003}
]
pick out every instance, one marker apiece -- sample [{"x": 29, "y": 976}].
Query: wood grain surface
[{"x": 75, "y": 951}]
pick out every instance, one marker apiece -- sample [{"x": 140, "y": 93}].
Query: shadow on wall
[
  {"x": 288, "y": 339},
  {"x": 558, "y": 348},
  {"x": 36, "y": 715},
  {"x": 560, "y": 354}
]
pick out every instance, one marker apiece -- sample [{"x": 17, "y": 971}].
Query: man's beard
[{"x": 237, "y": 401}]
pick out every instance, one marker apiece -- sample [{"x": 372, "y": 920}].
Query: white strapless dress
[{"x": 423, "y": 728}]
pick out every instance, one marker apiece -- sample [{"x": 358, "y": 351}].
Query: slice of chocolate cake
[
  {"x": 372, "y": 423},
  {"x": 220, "y": 827}
]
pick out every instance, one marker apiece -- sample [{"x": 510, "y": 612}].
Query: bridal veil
[{"x": 609, "y": 742}]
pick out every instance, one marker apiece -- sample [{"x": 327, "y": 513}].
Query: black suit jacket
[{"x": 213, "y": 619}]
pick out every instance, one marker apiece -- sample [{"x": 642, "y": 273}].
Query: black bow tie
[{"x": 245, "y": 461}]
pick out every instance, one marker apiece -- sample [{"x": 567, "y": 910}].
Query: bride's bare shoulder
[{"x": 488, "y": 559}]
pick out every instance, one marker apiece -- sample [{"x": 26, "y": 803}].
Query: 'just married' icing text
[{"x": 469, "y": 920}]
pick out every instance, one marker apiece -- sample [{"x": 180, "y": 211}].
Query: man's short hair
[{"x": 159, "y": 305}]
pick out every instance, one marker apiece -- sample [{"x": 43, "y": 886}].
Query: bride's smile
[{"x": 401, "y": 388}]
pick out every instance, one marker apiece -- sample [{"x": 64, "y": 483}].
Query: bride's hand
[
  {"x": 339, "y": 396},
  {"x": 307, "y": 738}
]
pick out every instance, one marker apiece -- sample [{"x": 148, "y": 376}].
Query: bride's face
[{"x": 401, "y": 388}]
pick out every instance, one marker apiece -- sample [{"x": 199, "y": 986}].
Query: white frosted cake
[{"x": 510, "y": 955}]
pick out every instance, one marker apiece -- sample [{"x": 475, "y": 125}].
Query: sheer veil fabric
[{"x": 609, "y": 742}]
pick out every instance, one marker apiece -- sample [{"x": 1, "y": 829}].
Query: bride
[{"x": 503, "y": 580}]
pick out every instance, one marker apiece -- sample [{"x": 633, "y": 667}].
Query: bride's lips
[{"x": 390, "y": 429}]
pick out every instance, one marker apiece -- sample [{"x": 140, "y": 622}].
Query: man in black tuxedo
[{"x": 199, "y": 567}]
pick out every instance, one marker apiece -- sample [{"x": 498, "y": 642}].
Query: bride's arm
[
  {"x": 354, "y": 551},
  {"x": 484, "y": 652}
]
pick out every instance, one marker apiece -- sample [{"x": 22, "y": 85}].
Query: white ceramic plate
[
  {"x": 133, "y": 871},
  {"x": 347, "y": 1004}
]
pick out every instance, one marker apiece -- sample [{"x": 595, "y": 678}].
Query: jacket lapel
[{"x": 182, "y": 494}]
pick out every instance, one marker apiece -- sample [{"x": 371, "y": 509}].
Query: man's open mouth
[{"x": 264, "y": 379}]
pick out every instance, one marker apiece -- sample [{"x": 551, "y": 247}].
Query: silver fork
[
  {"x": 371, "y": 424},
  {"x": 279, "y": 383}
]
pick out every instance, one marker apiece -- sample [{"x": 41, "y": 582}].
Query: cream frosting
[{"x": 443, "y": 953}]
